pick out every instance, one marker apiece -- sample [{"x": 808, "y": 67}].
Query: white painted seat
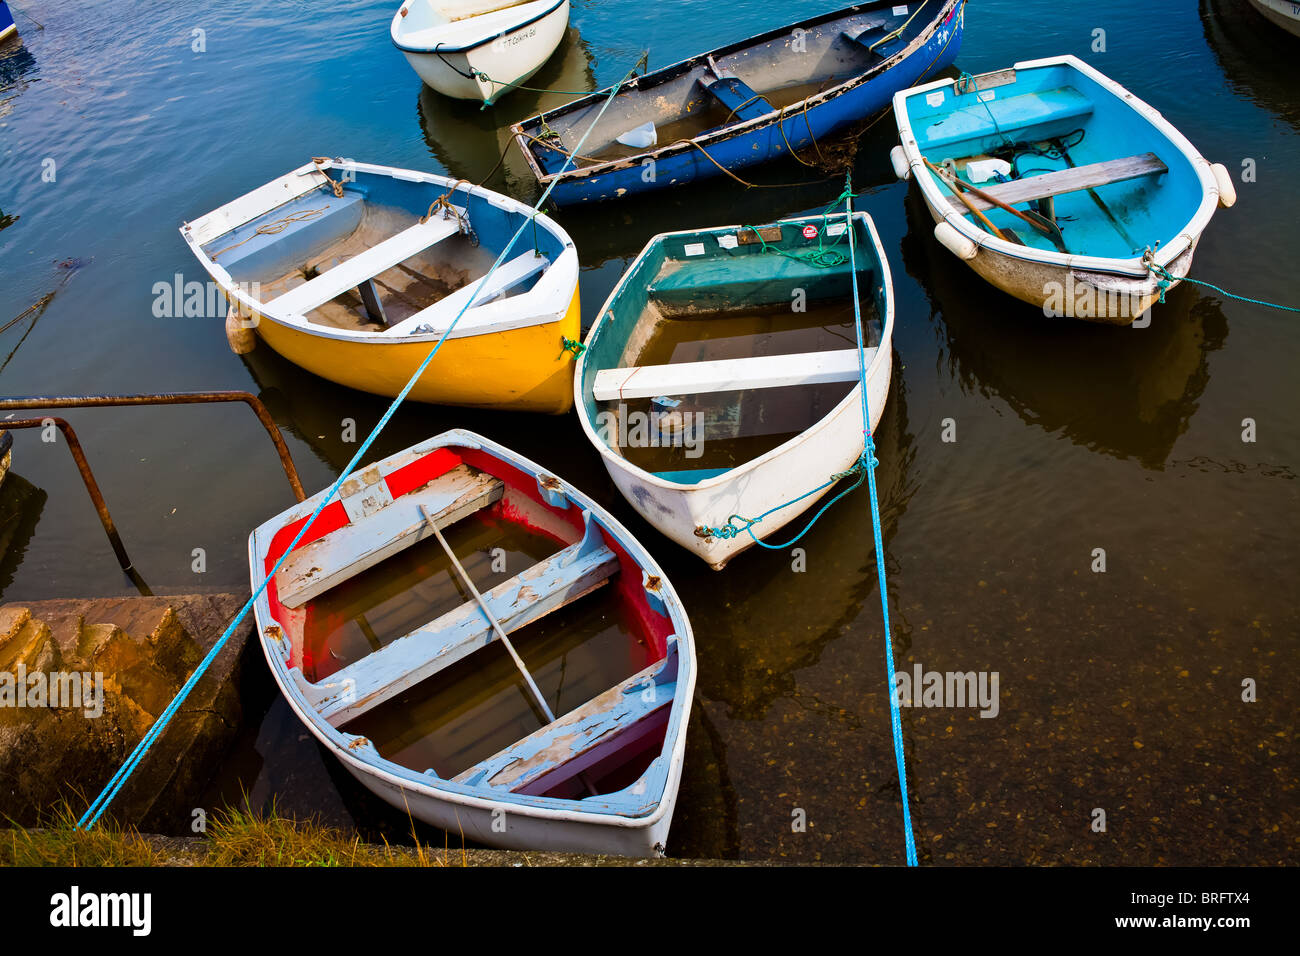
[
  {"x": 435, "y": 319},
  {"x": 727, "y": 375},
  {"x": 389, "y": 526},
  {"x": 348, "y": 275}
]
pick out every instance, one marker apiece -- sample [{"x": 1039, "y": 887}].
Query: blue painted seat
[
  {"x": 583, "y": 737},
  {"x": 292, "y": 234},
  {"x": 873, "y": 35},
  {"x": 736, "y": 96},
  {"x": 972, "y": 120}
]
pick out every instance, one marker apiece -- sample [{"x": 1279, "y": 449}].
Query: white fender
[
  {"x": 952, "y": 240},
  {"x": 901, "y": 168},
  {"x": 1227, "y": 189}
]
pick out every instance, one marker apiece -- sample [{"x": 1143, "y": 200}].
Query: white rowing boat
[
  {"x": 484, "y": 647},
  {"x": 1282, "y": 13},
  {"x": 478, "y": 49},
  {"x": 721, "y": 378}
]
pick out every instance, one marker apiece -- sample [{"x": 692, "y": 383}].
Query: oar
[
  {"x": 988, "y": 223},
  {"x": 1048, "y": 228},
  {"x": 538, "y": 699}
]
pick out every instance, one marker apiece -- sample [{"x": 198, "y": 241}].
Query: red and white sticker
[{"x": 810, "y": 232}]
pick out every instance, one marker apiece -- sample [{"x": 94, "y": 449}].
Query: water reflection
[
  {"x": 1257, "y": 58},
  {"x": 468, "y": 141},
  {"x": 1126, "y": 392},
  {"x": 17, "y": 69},
  {"x": 21, "y": 504}
]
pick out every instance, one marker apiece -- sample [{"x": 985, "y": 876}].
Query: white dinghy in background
[{"x": 478, "y": 49}]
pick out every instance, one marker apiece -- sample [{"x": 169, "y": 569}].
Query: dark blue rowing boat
[{"x": 741, "y": 104}]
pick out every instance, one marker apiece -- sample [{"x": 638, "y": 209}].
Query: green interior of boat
[{"x": 723, "y": 296}]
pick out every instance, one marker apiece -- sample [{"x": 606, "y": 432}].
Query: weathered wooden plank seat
[
  {"x": 581, "y": 738},
  {"x": 438, "y": 316},
  {"x": 1066, "y": 181},
  {"x": 315, "y": 568},
  {"x": 726, "y": 375},
  {"x": 351, "y": 274},
  {"x": 733, "y": 93},
  {"x": 525, "y": 598}
]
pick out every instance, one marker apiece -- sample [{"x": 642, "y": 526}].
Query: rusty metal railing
[{"x": 117, "y": 401}]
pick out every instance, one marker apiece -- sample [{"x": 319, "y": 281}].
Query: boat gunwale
[
  {"x": 884, "y": 355},
  {"x": 728, "y": 131},
  {"x": 565, "y": 267},
  {"x": 1128, "y": 268},
  {"x": 438, "y": 48},
  {"x": 373, "y": 765}
]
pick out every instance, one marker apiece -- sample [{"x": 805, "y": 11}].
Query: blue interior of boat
[
  {"x": 287, "y": 236},
  {"x": 1049, "y": 119}
]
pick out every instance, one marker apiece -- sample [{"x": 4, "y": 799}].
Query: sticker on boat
[
  {"x": 728, "y": 242},
  {"x": 694, "y": 249},
  {"x": 810, "y": 232}
]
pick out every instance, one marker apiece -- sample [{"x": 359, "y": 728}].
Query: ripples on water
[{"x": 1118, "y": 690}]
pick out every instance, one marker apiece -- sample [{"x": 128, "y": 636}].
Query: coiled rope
[{"x": 101, "y": 802}]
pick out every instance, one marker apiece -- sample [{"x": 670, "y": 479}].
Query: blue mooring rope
[
  {"x": 101, "y": 802},
  {"x": 865, "y": 467}
]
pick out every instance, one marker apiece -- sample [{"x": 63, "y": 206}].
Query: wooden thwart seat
[
  {"x": 350, "y": 274},
  {"x": 312, "y": 569},
  {"x": 581, "y": 738},
  {"x": 726, "y": 375},
  {"x": 438, "y": 316},
  {"x": 1066, "y": 181},
  {"x": 525, "y": 598}
]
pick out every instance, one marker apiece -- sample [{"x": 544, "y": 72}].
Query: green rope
[
  {"x": 577, "y": 348},
  {"x": 642, "y": 64},
  {"x": 823, "y": 257},
  {"x": 732, "y": 530},
  {"x": 1167, "y": 280}
]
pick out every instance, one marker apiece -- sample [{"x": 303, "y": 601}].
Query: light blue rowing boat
[{"x": 1112, "y": 199}]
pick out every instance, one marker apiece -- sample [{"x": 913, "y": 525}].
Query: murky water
[{"x": 1120, "y": 691}]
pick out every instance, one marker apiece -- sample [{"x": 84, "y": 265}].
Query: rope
[
  {"x": 320, "y": 162},
  {"x": 1167, "y": 280},
  {"x": 899, "y": 32},
  {"x": 569, "y": 345},
  {"x": 864, "y": 468},
  {"x": 475, "y": 73},
  {"x": 276, "y": 227},
  {"x": 101, "y": 802}
]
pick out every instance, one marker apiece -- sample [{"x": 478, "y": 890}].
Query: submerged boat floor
[
  {"x": 479, "y": 706},
  {"x": 734, "y": 427}
]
